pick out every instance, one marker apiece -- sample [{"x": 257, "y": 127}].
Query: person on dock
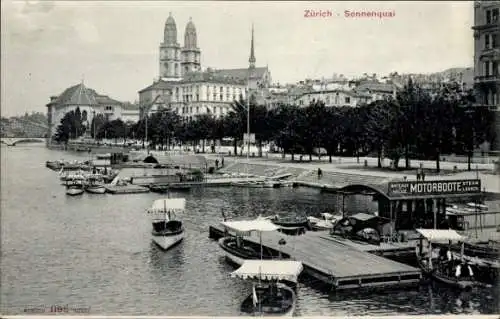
[
  {"x": 320, "y": 173},
  {"x": 222, "y": 162},
  {"x": 216, "y": 164}
]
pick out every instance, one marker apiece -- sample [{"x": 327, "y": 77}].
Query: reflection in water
[{"x": 97, "y": 251}]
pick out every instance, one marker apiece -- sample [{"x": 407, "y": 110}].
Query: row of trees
[{"x": 417, "y": 124}]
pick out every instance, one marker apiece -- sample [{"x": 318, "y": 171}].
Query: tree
[
  {"x": 70, "y": 127},
  {"x": 380, "y": 115}
]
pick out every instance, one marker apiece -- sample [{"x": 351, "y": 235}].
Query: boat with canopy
[
  {"x": 94, "y": 183},
  {"x": 74, "y": 185},
  {"x": 168, "y": 230},
  {"x": 441, "y": 264},
  {"x": 237, "y": 250},
  {"x": 270, "y": 296}
]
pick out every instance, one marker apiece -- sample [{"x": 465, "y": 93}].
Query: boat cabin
[
  {"x": 234, "y": 243},
  {"x": 163, "y": 213}
]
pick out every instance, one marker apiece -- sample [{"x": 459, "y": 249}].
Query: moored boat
[
  {"x": 442, "y": 267},
  {"x": 94, "y": 184},
  {"x": 269, "y": 296},
  {"x": 326, "y": 222},
  {"x": 236, "y": 250},
  {"x": 292, "y": 222},
  {"x": 168, "y": 230},
  {"x": 74, "y": 186}
]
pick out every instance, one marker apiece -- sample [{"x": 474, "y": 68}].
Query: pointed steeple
[{"x": 251, "y": 60}]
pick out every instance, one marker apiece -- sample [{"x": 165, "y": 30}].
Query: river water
[{"x": 95, "y": 251}]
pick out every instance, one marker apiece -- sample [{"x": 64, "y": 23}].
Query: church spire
[{"x": 251, "y": 60}]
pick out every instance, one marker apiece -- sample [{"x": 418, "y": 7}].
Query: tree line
[{"x": 417, "y": 124}]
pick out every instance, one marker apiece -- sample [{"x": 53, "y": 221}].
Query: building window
[
  {"x": 486, "y": 68},
  {"x": 214, "y": 97},
  {"x": 494, "y": 40},
  {"x": 495, "y": 68},
  {"x": 197, "y": 109},
  {"x": 347, "y": 100},
  {"x": 488, "y": 16},
  {"x": 197, "y": 96},
  {"x": 486, "y": 41},
  {"x": 221, "y": 96},
  {"x": 494, "y": 15}
]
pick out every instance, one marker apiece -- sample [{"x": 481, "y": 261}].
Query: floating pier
[
  {"x": 126, "y": 189},
  {"x": 334, "y": 263}
]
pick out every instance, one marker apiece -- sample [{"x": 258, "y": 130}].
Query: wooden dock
[{"x": 334, "y": 263}]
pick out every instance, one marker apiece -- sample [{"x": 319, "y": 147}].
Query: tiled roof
[
  {"x": 241, "y": 74},
  {"x": 158, "y": 85},
  {"x": 213, "y": 77},
  {"x": 104, "y": 99},
  {"x": 77, "y": 95}
]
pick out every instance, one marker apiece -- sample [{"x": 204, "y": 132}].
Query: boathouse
[{"x": 410, "y": 204}]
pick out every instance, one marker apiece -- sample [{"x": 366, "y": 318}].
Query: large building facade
[
  {"x": 487, "y": 58},
  {"x": 487, "y": 52},
  {"x": 90, "y": 104},
  {"x": 188, "y": 90}
]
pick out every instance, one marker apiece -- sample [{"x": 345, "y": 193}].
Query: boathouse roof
[
  {"x": 400, "y": 189},
  {"x": 193, "y": 161}
]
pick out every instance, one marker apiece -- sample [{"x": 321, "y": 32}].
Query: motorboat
[
  {"x": 236, "y": 249},
  {"x": 94, "y": 184},
  {"x": 362, "y": 227},
  {"x": 74, "y": 186},
  {"x": 325, "y": 222},
  {"x": 292, "y": 222},
  {"x": 168, "y": 230},
  {"x": 443, "y": 267},
  {"x": 270, "y": 295}
]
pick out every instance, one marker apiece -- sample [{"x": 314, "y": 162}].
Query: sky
[{"x": 113, "y": 46}]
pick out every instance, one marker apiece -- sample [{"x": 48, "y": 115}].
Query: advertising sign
[{"x": 437, "y": 187}]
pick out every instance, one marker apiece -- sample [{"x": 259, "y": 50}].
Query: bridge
[{"x": 13, "y": 141}]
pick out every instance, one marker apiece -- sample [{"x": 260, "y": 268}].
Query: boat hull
[
  {"x": 291, "y": 298},
  {"x": 74, "y": 191},
  {"x": 167, "y": 242},
  {"x": 96, "y": 189},
  {"x": 463, "y": 284}
]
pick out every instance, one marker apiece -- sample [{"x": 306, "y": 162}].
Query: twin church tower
[{"x": 175, "y": 61}]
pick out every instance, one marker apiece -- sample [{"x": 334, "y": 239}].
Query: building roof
[
  {"x": 104, "y": 99},
  {"x": 241, "y": 73},
  {"x": 158, "y": 85},
  {"x": 77, "y": 95}
]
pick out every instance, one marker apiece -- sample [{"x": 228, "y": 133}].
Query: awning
[
  {"x": 440, "y": 234},
  {"x": 160, "y": 205},
  {"x": 245, "y": 227},
  {"x": 269, "y": 270}
]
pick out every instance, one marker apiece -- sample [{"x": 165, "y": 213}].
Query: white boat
[
  {"x": 74, "y": 186},
  {"x": 74, "y": 190},
  {"x": 326, "y": 222},
  {"x": 236, "y": 250},
  {"x": 94, "y": 183},
  {"x": 168, "y": 230},
  {"x": 270, "y": 297}
]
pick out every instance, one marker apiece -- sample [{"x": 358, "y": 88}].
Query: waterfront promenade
[{"x": 348, "y": 168}]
